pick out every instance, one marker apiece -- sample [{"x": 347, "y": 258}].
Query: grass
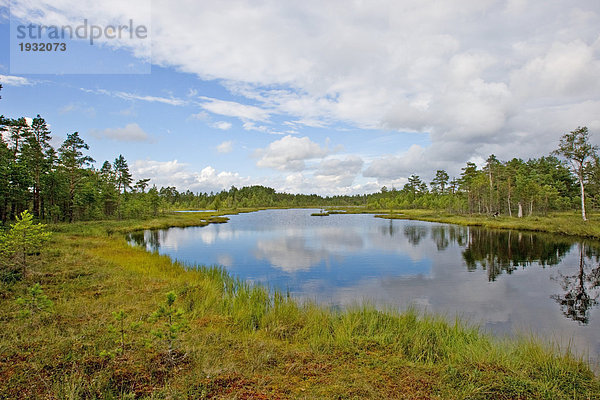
[
  {"x": 170, "y": 220},
  {"x": 243, "y": 341},
  {"x": 565, "y": 223}
]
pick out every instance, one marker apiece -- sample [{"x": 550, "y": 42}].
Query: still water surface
[{"x": 506, "y": 281}]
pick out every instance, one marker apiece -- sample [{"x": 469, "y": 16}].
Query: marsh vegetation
[{"x": 239, "y": 340}]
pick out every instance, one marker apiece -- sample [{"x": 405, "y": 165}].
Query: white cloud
[
  {"x": 289, "y": 153},
  {"x": 173, "y": 101},
  {"x": 335, "y": 166},
  {"x": 330, "y": 176},
  {"x": 182, "y": 176},
  {"x": 130, "y": 133},
  {"x": 251, "y": 126},
  {"x": 326, "y": 185},
  {"x": 394, "y": 167},
  {"x": 152, "y": 99},
  {"x": 4, "y": 4},
  {"x": 338, "y": 173},
  {"x": 567, "y": 71},
  {"x": 290, "y": 253},
  {"x": 473, "y": 75},
  {"x": 225, "y": 147},
  {"x": 467, "y": 73},
  {"x": 223, "y": 125},
  {"x": 157, "y": 169},
  {"x": 233, "y": 109},
  {"x": 174, "y": 173},
  {"x": 12, "y": 80},
  {"x": 109, "y": 12},
  {"x": 202, "y": 116}
]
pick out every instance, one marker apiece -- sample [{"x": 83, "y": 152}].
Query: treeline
[
  {"x": 513, "y": 188},
  {"x": 63, "y": 185},
  {"x": 252, "y": 196}
]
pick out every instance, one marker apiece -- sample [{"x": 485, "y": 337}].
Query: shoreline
[{"x": 565, "y": 223}]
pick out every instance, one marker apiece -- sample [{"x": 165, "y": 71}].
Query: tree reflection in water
[
  {"x": 415, "y": 233},
  {"x": 582, "y": 289},
  {"x": 150, "y": 239},
  {"x": 443, "y": 235},
  {"x": 505, "y": 251},
  {"x": 390, "y": 230}
]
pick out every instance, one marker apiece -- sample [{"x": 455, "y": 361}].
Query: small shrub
[
  {"x": 171, "y": 321},
  {"x": 35, "y": 302},
  {"x": 22, "y": 240},
  {"x": 120, "y": 333}
]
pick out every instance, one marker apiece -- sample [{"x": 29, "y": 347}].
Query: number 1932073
[{"x": 26, "y": 46}]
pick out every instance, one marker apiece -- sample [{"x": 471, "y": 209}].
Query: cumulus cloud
[
  {"x": 225, "y": 147},
  {"x": 326, "y": 185},
  {"x": 331, "y": 176},
  {"x": 174, "y": 173},
  {"x": 289, "y": 153},
  {"x": 130, "y": 133},
  {"x": 338, "y": 172},
  {"x": 352, "y": 164},
  {"x": 393, "y": 167},
  {"x": 182, "y": 176}
]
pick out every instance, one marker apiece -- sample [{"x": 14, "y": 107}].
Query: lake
[{"x": 506, "y": 281}]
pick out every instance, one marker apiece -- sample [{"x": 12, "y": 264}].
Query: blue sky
[{"x": 302, "y": 97}]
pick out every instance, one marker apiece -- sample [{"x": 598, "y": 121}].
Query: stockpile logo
[{"x": 39, "y": 45}]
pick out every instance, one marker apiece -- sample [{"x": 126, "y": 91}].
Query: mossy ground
[{"x": 241, "y": 341}]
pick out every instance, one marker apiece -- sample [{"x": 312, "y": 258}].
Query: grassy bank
[
  {"x": 174, "y": 219},
  {"x": 565, "y": 223},
  {"x": 239, "y": 341}
]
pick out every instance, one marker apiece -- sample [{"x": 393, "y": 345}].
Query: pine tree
[
  {"x": 23, "y": 238},
  {"x": 439, "y": 183},
  {"x": 72, "y": 160},
  {"x": 38, "y": 154},
  {"x": 123, "y": 176},
  {"x": 142, "y": 184}
]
